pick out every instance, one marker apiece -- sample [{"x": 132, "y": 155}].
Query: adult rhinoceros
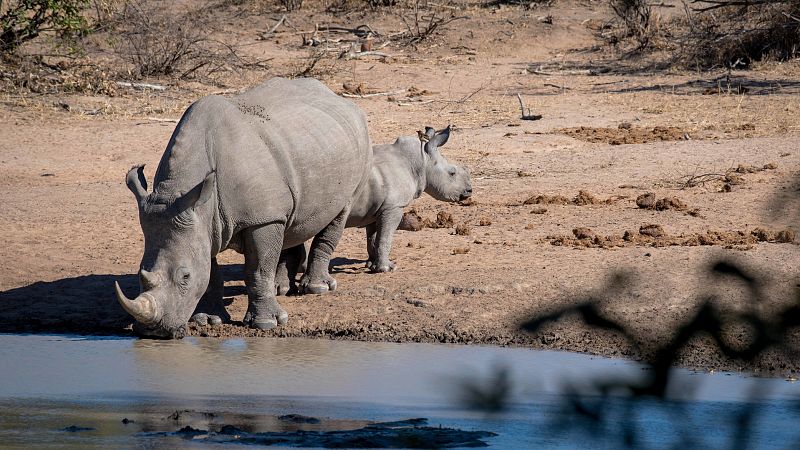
[{"x": 259, "y": 172}]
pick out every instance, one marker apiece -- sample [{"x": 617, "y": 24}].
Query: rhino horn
[
  {"x": 137, "y": 183},
  {"x": 142, "y": 308},
  {"x": 149, "y": 280}
]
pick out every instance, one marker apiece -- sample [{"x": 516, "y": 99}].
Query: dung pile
[{"x": 654, "y": 235}]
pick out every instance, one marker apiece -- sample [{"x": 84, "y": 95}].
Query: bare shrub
[
  {"x": 423, "y": 19},
  {"x": 292, "y": 5},
  {"x": 156, "y": 41},
  {"x": 633, "y": 19},
  {"x": 734, "y": 33}
]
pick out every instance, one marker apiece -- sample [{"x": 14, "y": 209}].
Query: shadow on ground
[
  {"x": 87, "y": 304},
  {"x": 84, "y": 304}
]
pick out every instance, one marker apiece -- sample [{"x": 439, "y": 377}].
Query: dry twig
[{"x": 526, "y": 115}]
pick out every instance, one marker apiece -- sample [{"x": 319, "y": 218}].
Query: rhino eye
[
  {"x": 452, "y": 171},
  {"x": 182, "y": 275}
]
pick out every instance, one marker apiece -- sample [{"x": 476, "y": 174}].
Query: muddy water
[{"x": 51, "y": 383}]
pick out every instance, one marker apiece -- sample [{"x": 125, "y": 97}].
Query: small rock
[
  {"x": 539, "y": 210},
  {"x": 652, "y": 230},
  {"x": 298, "y": 418},
  {"x": 463, "y": 229},
  {"x": 411, "y": 221},
  {"x": 230, "y": 430},
  {"x": 743, "y": 168},
  {"x": 460, "y": 251},
  {"x": 670, "y": 203},
  {"x": 646, "y": 200},
  {"x": 76, "y": 429},
  {"x": 189, "y": 431},
  {"x": 584, "y": 198},
  {"x": 584, "y": 233},
  {"x": 443, "y": 220},
  {"x": 733, "y": 179},
  {"x": 549, "y": 338},
  {"x": 785, "y": 236},
  {"x": 762, "y": 235},
  {"x": 485, "y": 222},
  {"x": 625, "y": 126}
]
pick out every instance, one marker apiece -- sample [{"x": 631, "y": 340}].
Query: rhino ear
[
  {"x": 198, "y": 195},
  {"x": 438, "y": 138},
  {"x": 444, "y": 135},
  {"x": 137, "y": 183}
]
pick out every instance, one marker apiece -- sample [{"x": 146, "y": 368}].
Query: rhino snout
[{"x": 466, "y": 194}]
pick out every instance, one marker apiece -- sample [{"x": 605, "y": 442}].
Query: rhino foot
[
  {"x": 266, "y": 318},
  {"x": 204, "y": 319},
  {"x": 285, "y": 287},
  {"x": 309, "y": 286},
  {"x": 377, "y": 267}
]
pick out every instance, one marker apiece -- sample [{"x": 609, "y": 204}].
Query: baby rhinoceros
[{"x": 400, "y": 173}]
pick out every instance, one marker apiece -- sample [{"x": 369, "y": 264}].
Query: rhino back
[
  {"x": 286, "y": 151},
  {"x": 318, "y": 141}
]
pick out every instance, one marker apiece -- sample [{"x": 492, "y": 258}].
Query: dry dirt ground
[{"x": 534, "y": 243}]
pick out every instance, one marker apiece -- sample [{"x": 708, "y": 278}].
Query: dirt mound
[
  {"x": 624, "y": 134},
  {"x": 653, "y": 235},
  {"x": 412, "y": 221},
  {"x": 583, "y": 198},
  {"x": 648, "y": 200}
]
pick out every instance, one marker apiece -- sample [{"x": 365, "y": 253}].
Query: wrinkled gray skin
[
  {"x": 259, "y": 172},
  {"x": 400, "y": 173}
]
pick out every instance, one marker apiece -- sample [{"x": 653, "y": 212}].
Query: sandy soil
[{"x": 613, "y": 130}]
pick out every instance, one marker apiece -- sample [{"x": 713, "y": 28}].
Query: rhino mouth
[{"x": 155, "y": 332}]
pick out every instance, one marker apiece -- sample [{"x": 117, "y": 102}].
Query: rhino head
[
  {"x": 176, "y": 265},
  {"x": 444, "y": 181}
]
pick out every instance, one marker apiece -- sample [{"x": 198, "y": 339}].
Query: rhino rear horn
[{"x": 137, "y": 183}]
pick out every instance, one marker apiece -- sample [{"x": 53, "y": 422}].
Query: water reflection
[{"x": 50, "y": 383}]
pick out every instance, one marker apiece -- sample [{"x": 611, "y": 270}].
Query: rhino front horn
[{"x": 142, "y": 308}]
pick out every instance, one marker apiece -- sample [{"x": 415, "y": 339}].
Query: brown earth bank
[{"x": 631, "y": 171}]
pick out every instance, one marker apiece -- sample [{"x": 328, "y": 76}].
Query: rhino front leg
[
  {"x": 385, "y": 227},
  {"x": 211, "y": 308},
  {"x": 289, "y": 265},
  {"x": 262, "y": 249},
  {"x": 316, "y": 279}
]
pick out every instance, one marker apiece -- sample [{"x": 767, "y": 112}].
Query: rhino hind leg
[
  {"x": 317, "y": 279},
  {"x": 372, "y": 239},
  {"x": 261, "y": 254},
  {"x": 211, "y": 308},
  {"x": 383, "y": 233},
  {"x": 290, "y": 264}
]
